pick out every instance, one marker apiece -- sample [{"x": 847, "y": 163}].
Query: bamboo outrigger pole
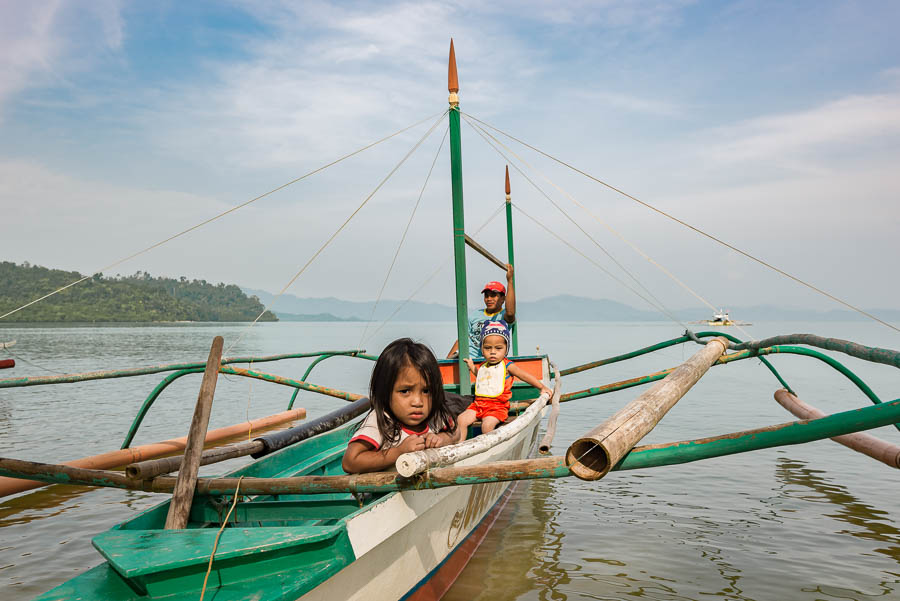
[
  {"x": 883, "y": 451},
  {"x": 592, "y": 456},
  {"x": 459, "y": 229},
  {"x": 183, "y": 495}
]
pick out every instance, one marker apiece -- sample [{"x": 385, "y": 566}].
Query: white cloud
[{"x": 833, "y": 126}]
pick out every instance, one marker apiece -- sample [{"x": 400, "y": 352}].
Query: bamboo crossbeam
[
  {"x": 144, "y": 470},
  {"x": 656, "y": 455},
  {"x": 149, "y": 469},
  {"x": 142, "y": 453},
  {"x": 878, "y": 449},
  {"x": 183, "y": 495},
  {"x": 593, "y": 455},
  {"x": 155, "y": 369},
  {"x": 484, "y": 252}
]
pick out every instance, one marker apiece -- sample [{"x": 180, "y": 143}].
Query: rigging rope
[
  {"x": 689, "y": 226},
  {"x": 220, "y": 215},
  {"x": 432, "y": 276},
  {"x": 339, "y": 230},
  {"x": 633, "y": 246},
  {"x": 659, "y": 305},
  {"x": 598, "y": 265},
  {"x": 403, "y": 238}
]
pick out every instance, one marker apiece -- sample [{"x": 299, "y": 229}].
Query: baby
[{"x": 493, "y": 381}]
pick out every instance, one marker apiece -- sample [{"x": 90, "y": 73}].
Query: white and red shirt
[{"x": 369, "y": 433}]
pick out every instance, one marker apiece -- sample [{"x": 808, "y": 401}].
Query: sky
[{"x": 773, "y": 126}]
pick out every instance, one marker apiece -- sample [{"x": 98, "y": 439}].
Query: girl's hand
[
  {"x": 433, "y": 440},
  {"x": 412, "y": 443},
  {"x": 471, "y": 365},
  {"x": 547, "y": 390}
]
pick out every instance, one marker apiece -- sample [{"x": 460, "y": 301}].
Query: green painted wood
[
  {"x": 512, "y": 261},
  {"x": 293, "y": 511},
  {"x": 459, "y": 248}
]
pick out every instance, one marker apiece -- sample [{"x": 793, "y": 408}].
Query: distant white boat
[
  {"x": 721, "y": 318},
  {"x": 7, "y": 344}
]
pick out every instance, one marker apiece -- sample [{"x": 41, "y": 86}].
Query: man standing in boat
[{"x": 495, "y": 296}]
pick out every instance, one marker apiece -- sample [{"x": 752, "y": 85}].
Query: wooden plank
[
  {"x": 182, "y": 497},
  {"x": 593, "y": 455},
  {"x": 484, "y": 252}
]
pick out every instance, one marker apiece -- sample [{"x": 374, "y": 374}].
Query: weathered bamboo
[
  {"x": 470, "y": 242},
  {"x": 592, "y": 456},
  {"x": 183, "y": 495},
  {"x": 144, "y": 470},
  {"x": 154, "y": 369},
  {"x": 547, "y": 440},
  {"x": 417, "y": 462},
  {"x": 257, "y": 447},
  {"x": 142, "y": 453},
  {"x": 657, "y": 455},
  {"x": 883, "y": 451}
]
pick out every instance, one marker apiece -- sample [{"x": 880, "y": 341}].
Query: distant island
[{"x": 134, "y": 298}]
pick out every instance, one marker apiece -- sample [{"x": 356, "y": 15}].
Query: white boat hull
[{"x": 402, "y": 544}]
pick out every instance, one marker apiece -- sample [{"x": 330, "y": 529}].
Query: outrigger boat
[
  {"x": 292, "y": 525},
  {"x": 721, "y": 318}
]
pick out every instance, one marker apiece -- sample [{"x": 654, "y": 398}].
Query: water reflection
[
  {"x": 870, "y": 523},
  {"x": 520, "y": 554}
]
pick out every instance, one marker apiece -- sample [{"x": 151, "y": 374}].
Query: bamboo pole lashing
[
  {"x": 594, "y": 454},
  {"x": 183, "y": 494}
]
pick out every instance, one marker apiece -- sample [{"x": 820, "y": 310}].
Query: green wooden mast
[
  {"x": 511, "y": 258},
  {"x": 459, "y": 232}
]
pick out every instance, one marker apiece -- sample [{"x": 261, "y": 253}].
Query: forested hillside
[{"x": 138, "y": 297}]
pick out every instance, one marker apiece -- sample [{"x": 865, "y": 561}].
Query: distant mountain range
[{"x": 562, "y": 307}]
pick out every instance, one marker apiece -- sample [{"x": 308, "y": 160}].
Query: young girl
[
  {"x": 408, "y": 409},
  {"x": 493, "y": 381}
]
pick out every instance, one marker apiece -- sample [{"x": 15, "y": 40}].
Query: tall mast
[
  {"x": 459, "y": 232},
  {"x": 511, "y": 257}
]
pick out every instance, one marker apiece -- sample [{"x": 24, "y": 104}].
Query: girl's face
[{"x": 411, "y": 397}]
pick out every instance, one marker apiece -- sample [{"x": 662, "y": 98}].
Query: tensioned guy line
[
  {"x": 441, "y": 266},
  {"x": 403, "y": 237},
  {"x": 688, "y": 225},
  {"x": 340, "y": 229},
  {"x": 220, "y": 215},
  {"x": 657, "y": 305},
  {"x": 633, "y": 246}
]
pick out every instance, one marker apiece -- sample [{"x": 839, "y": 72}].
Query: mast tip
[
  {"x": 507, "y": 181},
  {"x": 452, "y": 78}
]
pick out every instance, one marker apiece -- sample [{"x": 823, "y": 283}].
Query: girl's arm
[
  {"x": 472, "y": 367},
  {"x": 361, "y": 457},
  {"x": 527, "y": 378}
]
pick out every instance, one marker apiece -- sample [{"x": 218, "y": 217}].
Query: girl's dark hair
[{"x": 397, "y": 355}]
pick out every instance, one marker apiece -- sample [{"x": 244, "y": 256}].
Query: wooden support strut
[
  {"x": 593, "y": 455},
  {"x": 183, "y": 495},
  {"x": 484, "y": 252}
]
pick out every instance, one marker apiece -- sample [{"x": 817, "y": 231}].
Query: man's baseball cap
[{"x": 495, "y": 287}]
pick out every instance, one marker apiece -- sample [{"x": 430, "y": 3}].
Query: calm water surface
[{"x": 815, "y": 521}]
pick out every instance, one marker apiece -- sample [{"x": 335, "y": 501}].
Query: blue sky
[{"x": 775, "y": 126}]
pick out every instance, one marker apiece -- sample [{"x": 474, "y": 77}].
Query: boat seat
[{"x": 160, "y": 562}]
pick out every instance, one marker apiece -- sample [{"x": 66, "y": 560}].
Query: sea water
[{"x": 813, "y": 521}]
